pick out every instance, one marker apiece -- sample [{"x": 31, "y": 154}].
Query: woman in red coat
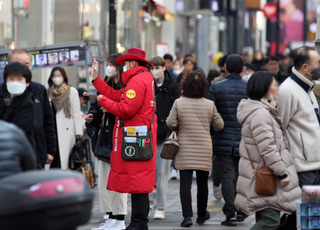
[{"x": 135, "y": 106}]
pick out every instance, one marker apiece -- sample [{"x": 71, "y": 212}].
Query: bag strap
[{"x": 250, "y": 159}]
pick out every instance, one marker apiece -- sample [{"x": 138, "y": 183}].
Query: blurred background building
[{"x": 198, "y": 27}]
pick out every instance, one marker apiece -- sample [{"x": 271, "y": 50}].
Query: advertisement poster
[
  {"x": 74, "y": 54},
  {"x": 64, "y": 57},
  {"x": 53, "y": 58},
  {"x": 41, "y": 60}
]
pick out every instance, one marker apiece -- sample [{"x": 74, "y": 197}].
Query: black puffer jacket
[
  {"x": 166, "y": 94},
  {"x": 44, "y": 134},
  {"x": 227, "y": 95},
  {"x": 16, "y": 152}
]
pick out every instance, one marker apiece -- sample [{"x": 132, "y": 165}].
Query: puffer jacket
[
  {"x": 227, "y": 95},
  {"x": 194, "y": 117},
  {"x": 16, "y": 152},
  {"x": 263, "y": 136},
  {"x": 166, "y": 94}
]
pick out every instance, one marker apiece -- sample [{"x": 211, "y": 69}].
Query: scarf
[{"x": 60, "y": 97}]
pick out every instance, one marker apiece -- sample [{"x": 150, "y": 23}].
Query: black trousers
[
  {"x": 185, "y": 192},
  {"x": 228, "y": 176},
  {"x": 305, "y": 178},
  {"x": 215, "y": 171},
  {"x": 140, "y": 210}
]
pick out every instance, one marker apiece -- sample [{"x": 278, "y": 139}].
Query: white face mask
[
  {"x": 111, "y": 72},
  {"x": 247, "y": 76},
  {"x": 124, "y": 68},
  {"x": 57, "y": 81},
  {"x": 16, "y": 88},
  {"x": 157, "y": 73}
]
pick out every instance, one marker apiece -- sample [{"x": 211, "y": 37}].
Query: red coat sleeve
[
  {"x": 103, "y": 88},
  {"x": 130, "y": 102}
]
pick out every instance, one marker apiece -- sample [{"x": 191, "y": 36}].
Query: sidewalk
[{"x": 174, "y": 213}]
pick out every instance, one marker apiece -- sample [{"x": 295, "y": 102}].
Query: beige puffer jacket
[
  {"x": 263, "y": 136},
  {"x": 194, "y": 117}
]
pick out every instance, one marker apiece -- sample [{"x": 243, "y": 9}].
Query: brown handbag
[
  {"x": 170, "y": 147},
  {"x": 265, "y": 180}
]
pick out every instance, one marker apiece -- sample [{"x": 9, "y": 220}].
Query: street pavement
[{"x": 173, "y": 212}]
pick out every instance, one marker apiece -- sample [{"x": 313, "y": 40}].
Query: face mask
[
  {"x": 16, "y": 88},
  {"x": 111, "y": 71},
  {"x": 157, "y": 73},
  {"x": 247, "y": 76},
  {"x": 125, "y": 68},
  {"x": 57, "y": 81},
  {"x": 176, "y": 67},
  {"x": 315, "y": 73},
  {"x": 272, "y": 101}
]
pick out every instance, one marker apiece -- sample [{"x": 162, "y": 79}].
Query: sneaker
[
  {"x": 103, "y": 226},
  {"x": 217, "y": 192},
  {"x": 120, "y": 225},
  {"x": 174, "y": 174},
  {"x": 111, "y": 223},
  {"x": 230, "y": 221},
  {"x": 152, "y": 207},
  {"x": 159, "y": 214},
  {"x": 106, "y": 217}
]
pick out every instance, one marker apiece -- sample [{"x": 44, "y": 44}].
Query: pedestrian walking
[
  {"x": 170, "y": 66},
  {"x": 273, "y": 65},
  {"x": 258, "y": 61},
  {"x": 167, "y": 91},
  {"x": 17, "y": 107},
  {"x": 194, "y": 114},
  {"x": 264, "y": 145},
  {"x": 135, "y": 107},
  {"x": 248, "y": 70},
  {"x": 227, "y": 96},
  {"x": 188, "y": 65},
  {"x": 44, "y": 134},
  {"x": 299, "y": 112},
  {"x": 17, "y": 154},
  {"x": 66, "y": 110},
  {"x": 222, "y": 66},
  {"x": 112, "y": 204}
]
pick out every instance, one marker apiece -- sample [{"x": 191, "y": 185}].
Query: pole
[
  {"x": 112, "y": 27},
  {"x": 278, "y": 27},
  {"x": 317, "y": 41},
  {"x": 13, "y": 23}
]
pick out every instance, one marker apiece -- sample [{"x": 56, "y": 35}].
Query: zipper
[{"x": 304, "y": 154}]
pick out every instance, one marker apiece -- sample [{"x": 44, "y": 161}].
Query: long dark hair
[
  {"x": 63, "y": 73},
  {"x": 113, "y": 60}
]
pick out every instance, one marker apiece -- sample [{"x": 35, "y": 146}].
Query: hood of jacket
[
  {"x": 126, "y": 76},
  {"x": 248, "y": 107}
]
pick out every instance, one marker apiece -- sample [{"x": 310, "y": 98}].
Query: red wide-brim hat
[{"x": 133, "y": 54}]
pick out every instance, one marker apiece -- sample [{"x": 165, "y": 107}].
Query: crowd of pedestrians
[{"x": 233, "y": 122}]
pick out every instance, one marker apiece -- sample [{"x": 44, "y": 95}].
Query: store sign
[
  {"x": 162, "y": 48},
  {"x": 253, "y": 4},
  {"x": 161, "y": 9},
  {"x": 270, "y": 10}
]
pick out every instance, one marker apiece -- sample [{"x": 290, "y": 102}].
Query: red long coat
[{"x": 135, "y": 107}]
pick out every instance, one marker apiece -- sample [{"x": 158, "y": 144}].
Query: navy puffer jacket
[{"x": 227, "y": 95}]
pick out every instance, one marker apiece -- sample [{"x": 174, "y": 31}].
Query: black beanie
[{"x": 234, "y": 63}]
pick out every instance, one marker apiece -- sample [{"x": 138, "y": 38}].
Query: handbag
[
  {"x": 170, "y": 147},
  {"x": 265, "y": 180},
  {"x": 76, "y": 157},
  {"x": 103, "y": 147}
]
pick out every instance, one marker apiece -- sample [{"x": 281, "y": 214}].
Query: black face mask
[{"x": 315, "y": 73}]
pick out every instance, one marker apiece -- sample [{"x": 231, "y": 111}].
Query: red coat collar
[{"x": 126, "y": 76}]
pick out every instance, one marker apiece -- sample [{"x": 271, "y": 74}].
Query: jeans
[
  {"x": 140, "y": 210},
  {"x": 110, "y": 201},
  {"x": 267, "y": 219},
  {"x": 228, "y": 176},
  {"x": 162, "y": 176},
  {"x": 185, "y": 192}
]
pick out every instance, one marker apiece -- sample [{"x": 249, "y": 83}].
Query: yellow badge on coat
[{"x": 131, "y": 94}]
